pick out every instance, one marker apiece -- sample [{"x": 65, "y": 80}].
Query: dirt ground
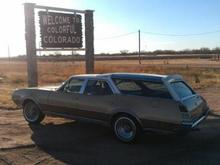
[
  {"x": 212, "y": 96},
  {"x": 62, "y": 141}
]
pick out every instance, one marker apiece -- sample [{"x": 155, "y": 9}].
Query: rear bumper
[{"x": 195, "y": 123}]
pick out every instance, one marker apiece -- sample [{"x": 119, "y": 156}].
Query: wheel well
[
  {"x": 115, "y": 116},
  {"x": 27, "y": 101}
]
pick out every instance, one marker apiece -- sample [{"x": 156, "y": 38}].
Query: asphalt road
[{"x": 60, "y": 141}]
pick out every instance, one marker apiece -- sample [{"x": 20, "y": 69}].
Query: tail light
[{"x": 186, "y": 117}]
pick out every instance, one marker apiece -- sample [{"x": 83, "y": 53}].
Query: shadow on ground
[{"x": 89, "y": 143}]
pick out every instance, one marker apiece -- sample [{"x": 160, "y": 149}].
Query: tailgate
[{"x": 196, "y": 106}]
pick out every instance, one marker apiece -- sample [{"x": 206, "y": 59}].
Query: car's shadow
[{"x": 89, "y": 143}]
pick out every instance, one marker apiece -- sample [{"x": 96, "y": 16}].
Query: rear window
[{"x": 182, "y": 89}]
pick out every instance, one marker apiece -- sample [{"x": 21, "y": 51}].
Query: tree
[{"x": 123, "y": 52}]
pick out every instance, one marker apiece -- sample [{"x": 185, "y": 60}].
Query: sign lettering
[{"x": 60, "y": 30}]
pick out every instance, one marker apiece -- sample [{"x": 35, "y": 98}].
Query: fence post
[
  {"x": 89, "y": 41},
  {"x": 30, "y": 38}
]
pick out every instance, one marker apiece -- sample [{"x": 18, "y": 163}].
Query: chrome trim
[
  {"x": 74, "y": 117},
  {"x": 198, "y": 121}
]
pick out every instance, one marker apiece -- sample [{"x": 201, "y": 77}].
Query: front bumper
[
  {"x": 17, "y": 100},
  {"x": 195, "y": 123}
]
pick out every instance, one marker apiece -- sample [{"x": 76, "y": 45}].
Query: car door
[
  {"x": 97, "y": 100},
  {"x": 65, "y": 100}
]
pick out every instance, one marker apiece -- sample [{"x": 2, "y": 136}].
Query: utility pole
[
  {"x": 139, "y": 46},
  {"x": 9, "y": 56}
]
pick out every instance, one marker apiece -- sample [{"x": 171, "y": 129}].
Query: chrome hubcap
[
  {"x": 125, "y": 128},
  {"x": 31, "y": 113}
]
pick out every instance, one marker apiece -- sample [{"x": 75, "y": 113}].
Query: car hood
[{"x": 48, "y": 88}]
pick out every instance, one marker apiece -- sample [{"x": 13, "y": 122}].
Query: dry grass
[{"x": 203, "y": 74}]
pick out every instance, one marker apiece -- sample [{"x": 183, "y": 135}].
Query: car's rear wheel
[
  {"x": 126, "y": 129},
  {"x": 32, "y": 113}
]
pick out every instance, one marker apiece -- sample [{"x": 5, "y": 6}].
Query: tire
[
  {"x": 126, "y": 129},
  {"x": 32, "y": 113}
]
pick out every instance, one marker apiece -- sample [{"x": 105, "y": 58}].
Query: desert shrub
[{"x": 18, "y": 81}]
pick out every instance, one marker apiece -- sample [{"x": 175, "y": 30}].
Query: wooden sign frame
[{"x": 30, "y": 37}]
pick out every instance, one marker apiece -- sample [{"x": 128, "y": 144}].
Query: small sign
[{"x": 60, "y": 30}]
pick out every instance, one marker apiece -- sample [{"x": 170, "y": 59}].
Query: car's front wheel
[
  {"x": 32, "y": 113},
  {"x": 126, "y": 129}
]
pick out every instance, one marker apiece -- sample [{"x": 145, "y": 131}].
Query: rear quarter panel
[{"x": 150, "y": 109}]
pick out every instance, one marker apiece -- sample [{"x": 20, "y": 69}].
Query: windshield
[{"x": 182, "y": 89}]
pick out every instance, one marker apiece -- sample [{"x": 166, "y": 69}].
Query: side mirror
[{"x": 65, "y": 89}]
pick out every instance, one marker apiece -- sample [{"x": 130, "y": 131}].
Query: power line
[
  {"x": 181, "y": 35},
  {"x": 116, "y": 36},
  {"x": 161, "y": 34}
]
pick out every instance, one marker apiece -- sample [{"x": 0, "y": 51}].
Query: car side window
[
  {"x": 156, "y": 89},
  {"x": 74, "y": 85},
  {"x": 155, "y": 86},
  {"x": 142, "y": 88},
  {"x": 97, "y": 87},
  {"x": 127, "y": 85}
]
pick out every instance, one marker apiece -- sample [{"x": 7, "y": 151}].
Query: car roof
[
  {"x": 139, "y": 76},
  {"x": 135, "y": 76}
]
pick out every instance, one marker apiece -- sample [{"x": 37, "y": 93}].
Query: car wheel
[
  {"x": 126, "y": 129},
  {"x": 32, "y": 113}
]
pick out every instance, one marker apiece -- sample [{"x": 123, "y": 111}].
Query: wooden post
[
  {"x": 30, "y": 44},
  {"x": 89, "y": 41},
  {"x": 139, "y": 46}
]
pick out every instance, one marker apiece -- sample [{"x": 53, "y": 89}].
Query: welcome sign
[{"x": 60, "y": 30}]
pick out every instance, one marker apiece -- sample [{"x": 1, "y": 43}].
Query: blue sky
[
  {"x": 116, "y": 17},
  {"x": 164, "y": 16}
]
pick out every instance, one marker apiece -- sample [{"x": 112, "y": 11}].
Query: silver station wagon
[{"x": 129, "y": 103}]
